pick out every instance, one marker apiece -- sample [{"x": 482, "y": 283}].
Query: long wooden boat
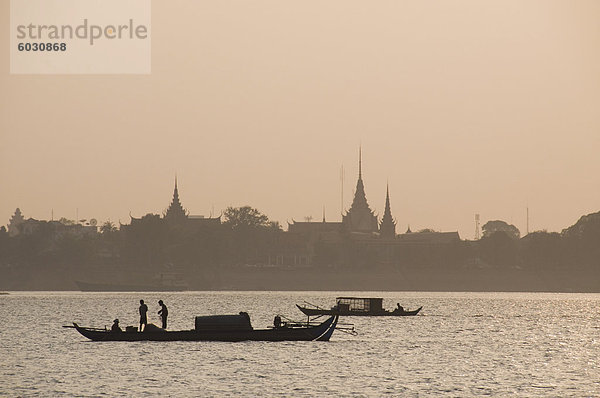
[
  {"x": 221, "y": 331},
  {"x": 357, "y": 306}
]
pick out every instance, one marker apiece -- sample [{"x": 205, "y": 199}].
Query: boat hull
[
  {"x": 321, "y": 332},
  {"x": 317, "y": 311}
]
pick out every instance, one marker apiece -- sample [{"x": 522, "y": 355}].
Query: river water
[{"x": 461, "y": 344}]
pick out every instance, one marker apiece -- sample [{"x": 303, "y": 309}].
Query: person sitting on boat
[
  {"x": 277, "y": 322},
  {"x": 115, "y": 327},
  {"x": 164, "y": 312},
  {"x": 400, "y": 308}
]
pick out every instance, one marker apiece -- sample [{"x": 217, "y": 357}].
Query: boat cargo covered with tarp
[{"x": 223, "y": 322}]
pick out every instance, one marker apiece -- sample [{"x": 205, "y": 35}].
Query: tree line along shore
[{"x": 244, "y": 250}]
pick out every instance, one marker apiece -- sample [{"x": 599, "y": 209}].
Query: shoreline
[{"x": 310, "y": 279}]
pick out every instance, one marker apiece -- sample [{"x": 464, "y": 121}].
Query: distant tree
[
  {"x": 491, "y": 227},
  {"x": 3, "y": 241},
  {"x": 582, "y": 240},
  {"x": 249, "y": 234},
  {"x": 144, "y": 240},
  {"x": 15, "y": 221},
  {"x": 17, "y": 218},
  {"x": 65, "y": 221},
  {"x": 499, "y": 249},
  {"x": 586, "y": 225},
  {"x": 426, "y": 230},
  {"x": 275, "y": 226},
  {"x": 244, "y": 217},
  {"x": 541, "y": 249},
  {"x": 107, "y": 228},
  {"x": 71, "y": 249}
]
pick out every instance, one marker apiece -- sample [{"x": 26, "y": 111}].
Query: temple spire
[
  {"x": 360, "y": 217},
  {"x": 176, "y": 193},
  {"x": 360, "y": 198},
  {"x": 175, "y": 210},
  {"x": 387, "y": 227},
  {"x": 360, "y": 162}
]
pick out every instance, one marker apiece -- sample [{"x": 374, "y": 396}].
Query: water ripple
[{"x": 464, "y": 344}]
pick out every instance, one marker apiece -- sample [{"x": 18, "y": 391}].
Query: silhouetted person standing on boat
[
  {"x": 143, "y": 315},
  {"x": 164, "y": 312}
]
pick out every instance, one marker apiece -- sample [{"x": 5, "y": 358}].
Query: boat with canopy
[{"x": 356, "y": 306}]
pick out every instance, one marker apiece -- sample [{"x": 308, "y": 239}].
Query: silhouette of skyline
[
  {"x": 358, "y": 215},
  {"x": 464, "y": 108}
]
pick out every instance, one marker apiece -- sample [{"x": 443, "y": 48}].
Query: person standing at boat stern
[
  {"x": 143, "y": 315},
  {"x": 164, "y": 312}
]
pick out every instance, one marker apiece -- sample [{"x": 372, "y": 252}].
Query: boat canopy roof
[
  {"x": 367, "y": 304},
  {"x": 359, "y": 298}
]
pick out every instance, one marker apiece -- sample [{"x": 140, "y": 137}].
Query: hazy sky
[{"x": 464, "y": 107}]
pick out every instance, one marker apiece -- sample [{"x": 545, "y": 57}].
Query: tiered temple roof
[
  {"x": 175, "y": 212},
  {"x": 387, "y": 228},
  {"x": 360, "y": 217}
]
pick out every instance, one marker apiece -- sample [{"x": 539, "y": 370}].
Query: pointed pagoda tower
[
  {"x": 175, "y": 212},
  {"x": 360, "y": 217},
  {"x": 387, "y": 228}
]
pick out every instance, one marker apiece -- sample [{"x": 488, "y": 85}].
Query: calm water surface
[{"x": 462, "y": 344}]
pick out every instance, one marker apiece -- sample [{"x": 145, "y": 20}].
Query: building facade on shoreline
[
  {"x": 177, "y": 216},
  {"x": 360, "y": 238},
  {"x": 19, "y": 225}
]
